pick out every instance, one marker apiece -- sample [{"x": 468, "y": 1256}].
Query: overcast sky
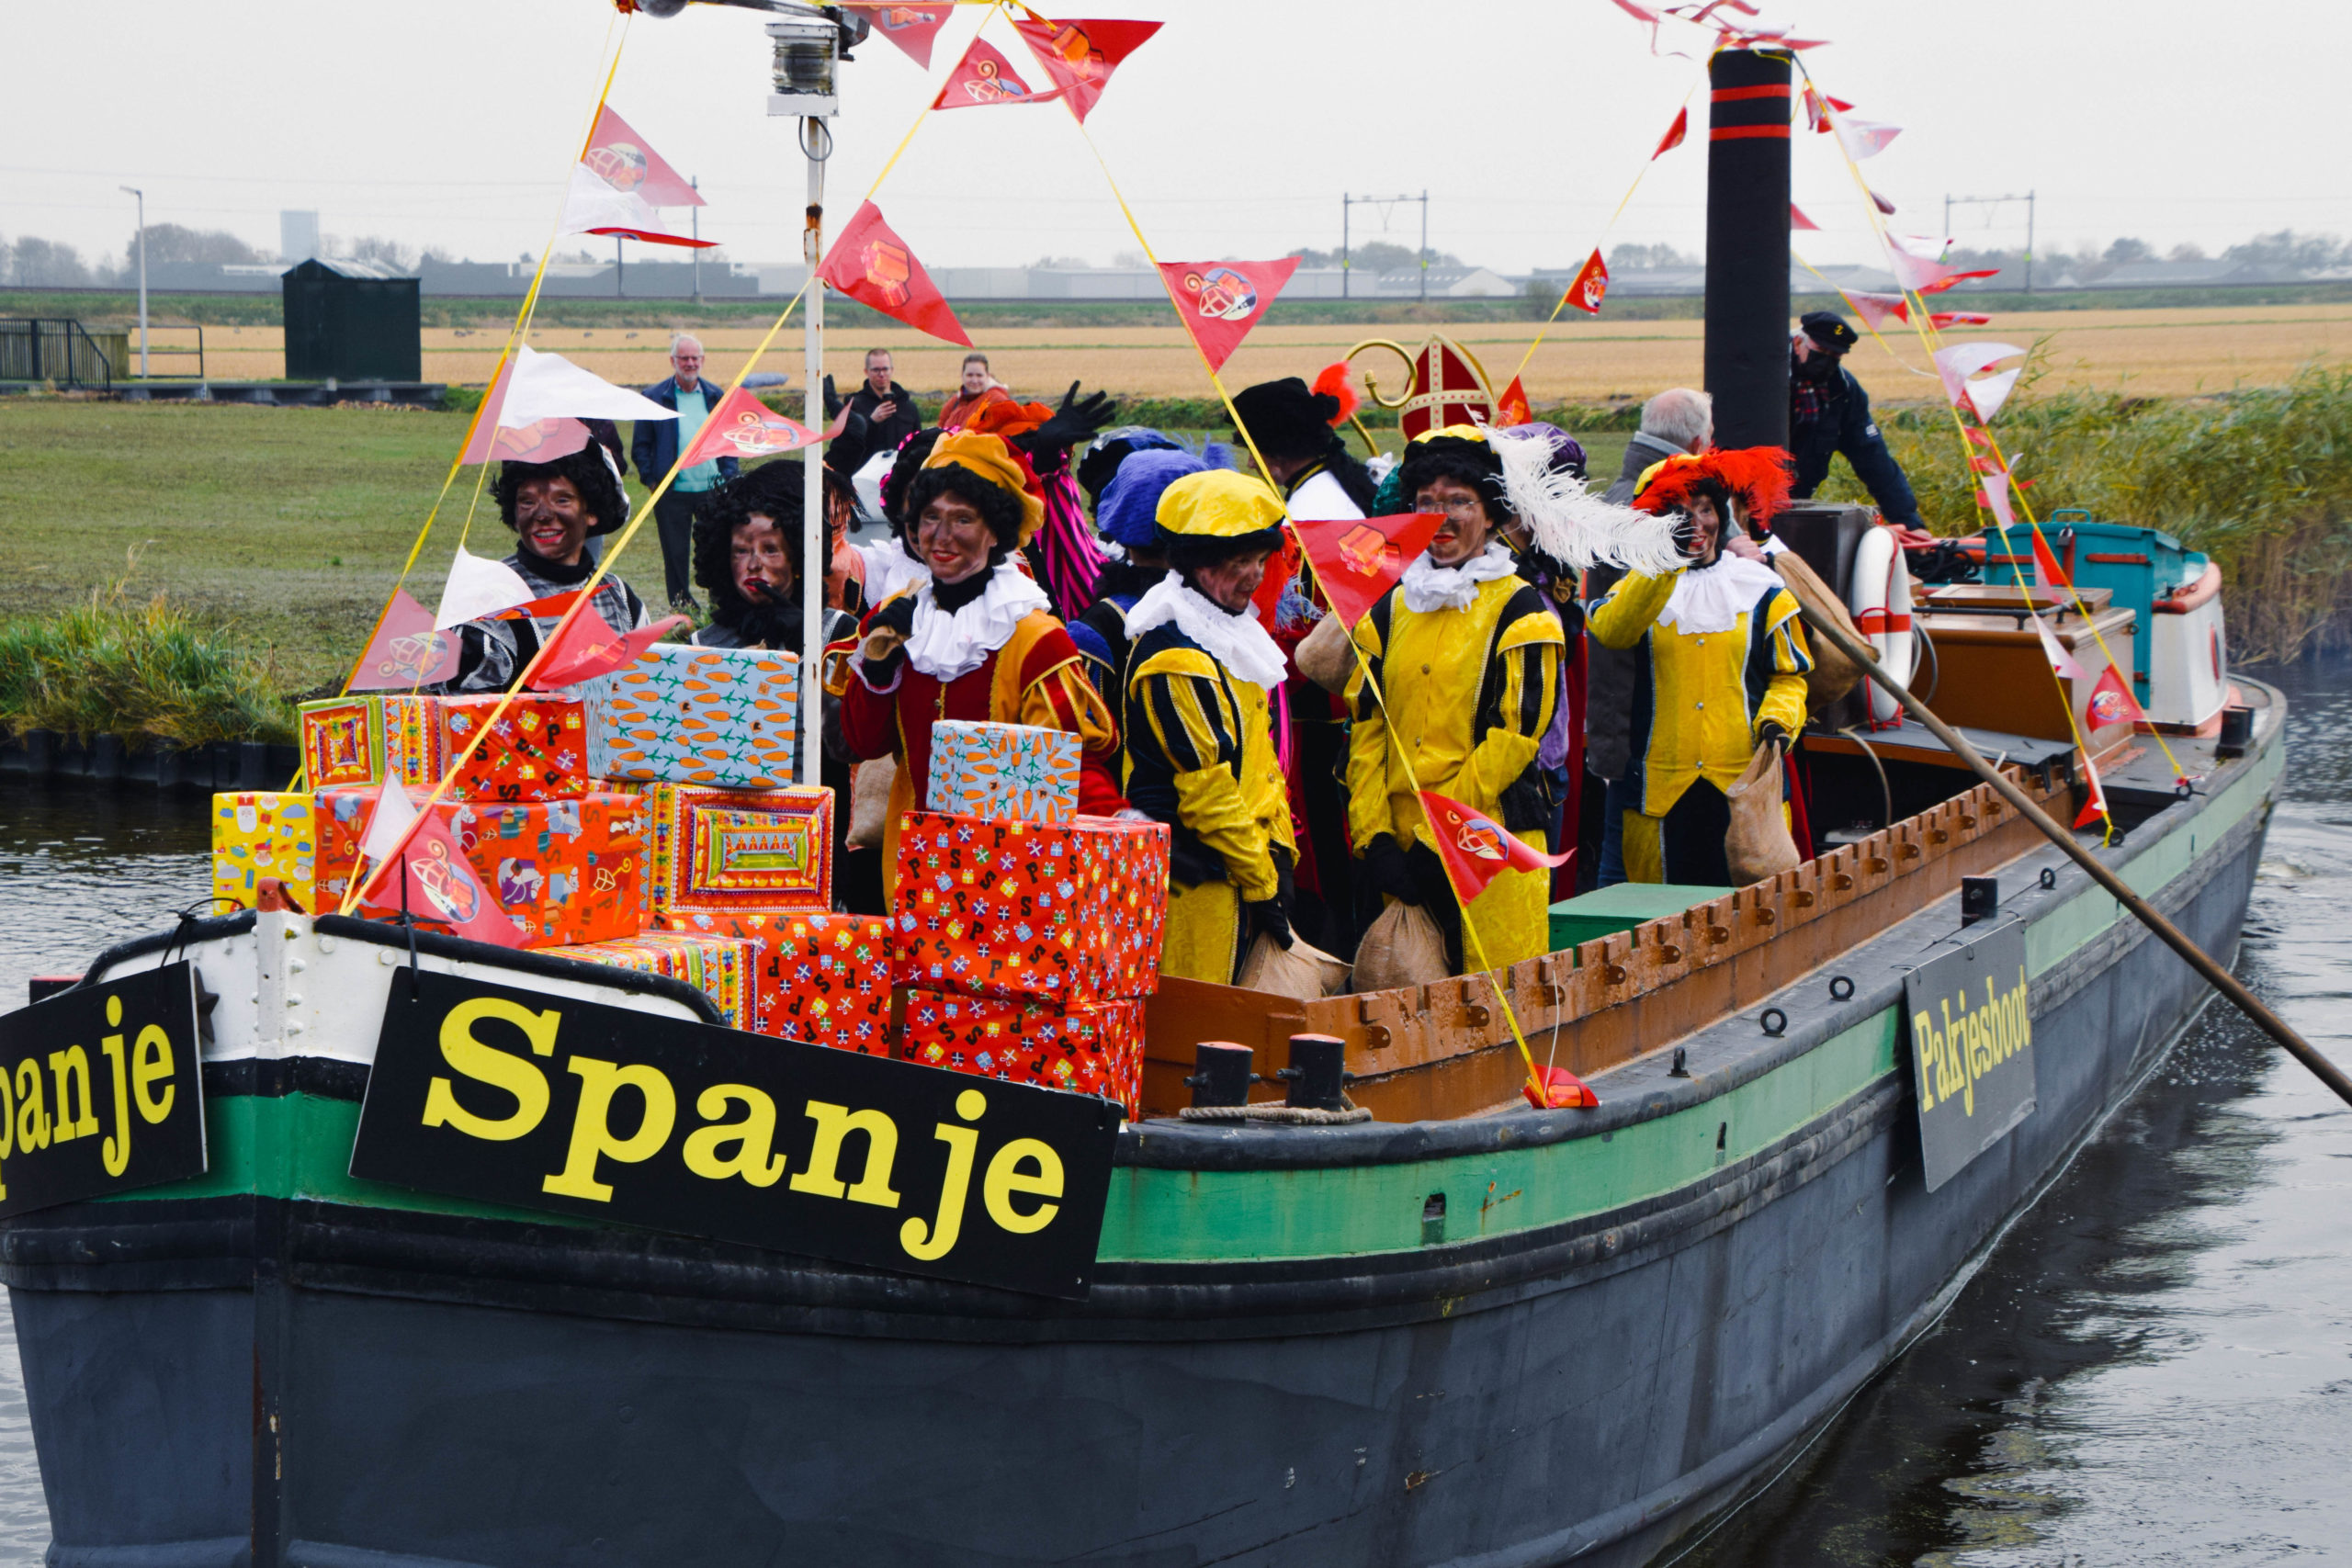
[{"x": 1234, "y": 133}]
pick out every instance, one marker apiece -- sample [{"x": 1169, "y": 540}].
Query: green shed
[{"x": 352, "y": 320}]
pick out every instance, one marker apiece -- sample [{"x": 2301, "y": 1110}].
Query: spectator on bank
[
  {"x": 1678, "y": 421},
  {"x": 876, "y": 417},
  {"x": 979, "y": 389},
  {"x": 1830, "y": 414},
  {"x": 656, "y": 445}
]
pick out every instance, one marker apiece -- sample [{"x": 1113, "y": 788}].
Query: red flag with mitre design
[
  {"x": 870, "y": 263},
  {"x": 1475, "y": 849},
  {"x": 742, "y": 426},
  {"x": 1219, "y": 301},
  {"x": 442, "y": 885},
  {"x": 1448, "y": 389},
  {"x": 2112, "y": 703},
  {"x": 1511, "y": 408},
  {"x": 589, "y": 647},
  {"x": 1080, "y": 56},
  {"x": 1359, "y": 559},
  {"x": 984, "y": 76},
  {"x": 620, "y": 183},
  {"x": 912, "y": 28},
  {"x": 1590, "y": 283},
  {"x": 406, "y": 650}
]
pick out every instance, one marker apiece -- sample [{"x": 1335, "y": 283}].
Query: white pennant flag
[
  {"x": 394, "y": 811},
  {"x": 1990, "y": 393},
  {"x": 1957, "y": 362},
  {"x": 2061, "y": 661},
  {"x": 1864, "y": 138},
  {"x": 1880, "y": 309},
  {"x": 478, "y": 588}
]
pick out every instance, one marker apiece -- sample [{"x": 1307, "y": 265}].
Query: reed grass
[
  {"x": 2259, "y": 479},
  {"x": 152, "y": 673}
]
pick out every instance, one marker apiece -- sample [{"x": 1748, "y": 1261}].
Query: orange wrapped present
[
  {"x": 365, "y": 738},
  {"x": 1093, "y": 1050},
  {"x": 537, "y": 750},
  {"x": 821, "y": 978}
]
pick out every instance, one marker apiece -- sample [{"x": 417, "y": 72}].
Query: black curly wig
[
  {"x": 1000, "y": 511},
  {"x": 1471, "y": 463},
  {"x": 912, "y": 453},
  {"x": 589, "y": 474}
]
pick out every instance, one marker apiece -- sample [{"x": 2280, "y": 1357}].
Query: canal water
[{"x": 2155, "y": 1367}]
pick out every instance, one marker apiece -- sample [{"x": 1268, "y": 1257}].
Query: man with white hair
[
  {"x": 656, "y": 445},
  {"x": 1678, "y": 421}
]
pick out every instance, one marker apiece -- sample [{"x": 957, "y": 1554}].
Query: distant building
[{"x": 1444, "y": 283}]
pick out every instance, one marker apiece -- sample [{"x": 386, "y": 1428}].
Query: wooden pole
[{"x": 2221, "y": 979}]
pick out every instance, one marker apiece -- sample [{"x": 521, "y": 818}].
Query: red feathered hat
[
  {"x": 1758, "y": 476},
  {"x": 1332, "y": 381}
]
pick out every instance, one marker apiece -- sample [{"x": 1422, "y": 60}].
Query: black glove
[
  {"x": 1389, "y": 870},
  {"x": 883, "y": 644},
  {"x": 1268, "y": 917},
  {"x": 1773, "y": 733},
  {"x": 1077, "y": 421},
  {"x": 1190, "y": 864}
]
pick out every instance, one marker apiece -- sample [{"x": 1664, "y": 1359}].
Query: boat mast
[{"x": 1748, "y": 247}]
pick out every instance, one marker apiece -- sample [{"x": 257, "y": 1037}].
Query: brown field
[{"x": 2151, "y": 353}]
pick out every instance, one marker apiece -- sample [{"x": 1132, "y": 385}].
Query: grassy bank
[
  {"x": 2259, "y": 479},
  {"x": 149, "y": 672}
]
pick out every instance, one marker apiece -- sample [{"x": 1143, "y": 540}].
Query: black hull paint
[{"x": 476, "y": 1391}]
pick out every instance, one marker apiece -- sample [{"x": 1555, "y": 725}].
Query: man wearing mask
[
  {"x": 656, "y": 445},
  {"x": 1829, "y": 413}
]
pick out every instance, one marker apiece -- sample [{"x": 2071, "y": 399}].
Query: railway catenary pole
[{"x": 2171, "y": 935}]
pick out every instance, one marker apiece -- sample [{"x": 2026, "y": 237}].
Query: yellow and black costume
[
  {"x": 1468, "y": 662},
  {"x": 1723, "y": 673},
  {"x": 1199, "y": 733}
]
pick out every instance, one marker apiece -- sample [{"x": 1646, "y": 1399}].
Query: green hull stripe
[{"x": 299, "y": 1145}]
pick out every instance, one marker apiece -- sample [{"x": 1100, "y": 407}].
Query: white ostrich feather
[{"x": 1571, "y": 523}]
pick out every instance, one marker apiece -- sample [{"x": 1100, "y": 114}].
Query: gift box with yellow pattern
[
  {"x": 258, "y": 834},
  {"x": 718, "y": 966},
  {"x": 738, "y": 852},
  {"x": 822, "y": 978},
  {"x": 725, "y": 716},
  {"x": 1091, "y": 1050},
  {"x": 365, "y": 738}
]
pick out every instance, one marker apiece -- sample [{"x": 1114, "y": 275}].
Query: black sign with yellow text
[
  {"x": 520, "y": 1098},
  {"x": 101, "y": 1091},
  {"x": 1972, "y": 1042}
]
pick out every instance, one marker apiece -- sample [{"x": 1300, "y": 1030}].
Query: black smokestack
[{"x": 1747, "y": 248}]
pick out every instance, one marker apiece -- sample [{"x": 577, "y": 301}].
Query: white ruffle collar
[
  {"x": 1236, "y": 642},
  {"x": 1427, "y": 586},
  {"x": 1711, "y": 598},
  {"x": 947, "y": 645}
]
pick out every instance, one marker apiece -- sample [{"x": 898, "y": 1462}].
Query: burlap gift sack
[
  {"x": 1758, "y": 845},
  {"x": 869, "y": 801},
  {"x": 1833, "y": 674},
  {"x": 1404, "y": 947},
  {"x": 1302, "y": 972},
  {"x": 1326, "y": 655}
]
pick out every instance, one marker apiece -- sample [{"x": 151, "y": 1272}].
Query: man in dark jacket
[
  {"x": 880, "y": 416},
  {"x": 655, "y": 445},
  {"x": 1830, "y": 414}
]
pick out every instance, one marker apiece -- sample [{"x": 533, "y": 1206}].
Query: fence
[{"x": 63, "y": 352}]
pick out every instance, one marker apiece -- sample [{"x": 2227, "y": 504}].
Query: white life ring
[{"x": 1881, "y": 601}]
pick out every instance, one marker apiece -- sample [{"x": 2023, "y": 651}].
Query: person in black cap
[
  {"x": 1830, "y": 414},
  {"x": 1290, "y": 426}
]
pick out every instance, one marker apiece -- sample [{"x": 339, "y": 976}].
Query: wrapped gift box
[
  {"x": 568, "y": 871},
  {"x": 256, "y": 835},
  {"x": 718, "y": 966},
  {"x": 1002, "y": 770},
  {"x": 1093, "y": 1050},
  {"x": 1070, "y": 913},
  {"x": 363, "y": 740},
  {"x": 724, "y": 717},
  {"x": 738, "y": 852},
  {"x": 821, "y": 978},
  {"x": 537, "y": 750}
]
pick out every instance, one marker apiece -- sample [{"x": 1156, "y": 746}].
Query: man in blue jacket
[
  {"x": 1830, "y": 414},
  {"x": 656, "y": 445}
]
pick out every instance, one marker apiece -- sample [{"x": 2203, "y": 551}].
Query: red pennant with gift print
[
  {"x": 742, "y": 426},
  {"x": 2094, "y": 798},
  {"x": 2112, "y": 703},
  {"x": 985, "y": 76},
  {"x": 871, "y": 264},
  {"x": 1080, "y": 56},
  {"x": 1591, "y": 282},
  {"x": 1219, "y": 301},
  {"x": 406, "y": 651},
  {"x": 1475, "y": 848},
  {"x": 589, "y": 647},
  {"x": 1359, "y": 559},
  {"x": 912, "y": 28}
]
